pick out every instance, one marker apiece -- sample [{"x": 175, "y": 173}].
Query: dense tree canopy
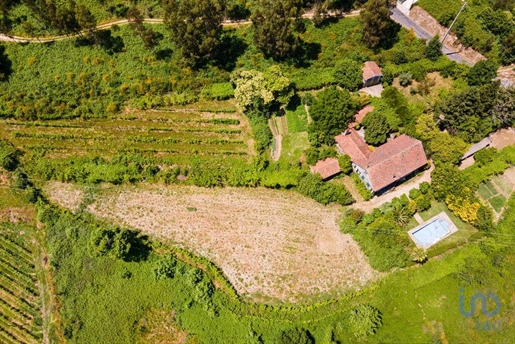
[
  {"x": 482, "y": 73},
  {"x": 445, "y": 148},
  {"x": 274, "y": 23},
  {"x": 348, "y": 74},
  {"x": 196, "y": 27},
  {"x": 376, "y": 128},
  {"x": 469, "y": 113},
  {"x": 331, "y": 112},
  {"x": 378, "y": 28}
]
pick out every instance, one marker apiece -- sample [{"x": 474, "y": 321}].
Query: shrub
[
  {"x": 345, "y": 164},
  {"x": 405, "y": 79},
  {"x": 164, "y": 267},
  {"x": 424, "y": 187},
  {"x": 8, "y": 155},
  {"x": 364, "y": 320},
  {"x": 414, "y": 193},
  {"x": 295, "y": 335},
  {"x": 219, "y": 91}
]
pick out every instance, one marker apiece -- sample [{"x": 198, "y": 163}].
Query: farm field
[
  {"x": 166, "y": 135},
  {"x": 20, "y": 304},
  {"x": 498, "y": 190},
  {"x": 270, "y": 244}
]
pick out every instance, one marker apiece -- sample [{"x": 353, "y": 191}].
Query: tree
[
  {"x": 482, "y": 73},
  {"x": 331, "y": 112},
  {"x": 195, "y": 27},
  {"x": 446, "y": 149},
  {"x": 378, "y": 28},
  {"x": 376, "y": 128},
  {"x": 469, "y": 113},
  {"x": 419, "y": 255},
  {"x": 434, "y": 48},
  {"x": 85, "y": 18},
  {"x": 274, "y": 23},
  {"x": 254, "y": 88},
  {"x": 348, "y": 74},
  {"x": 295, "y": 335},
  {"x": 147, "y": 35},
  {"x": 504, "y": 107},
  {"x": 8, "y": 155},
  {"x": 447, "y": 179},
  {"x": 114, "y": 243},
  {"x": 345, "y": 164},
  {"x": 364, "y": 320}
]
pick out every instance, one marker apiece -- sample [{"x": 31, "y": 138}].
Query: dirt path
[
  {"x": 226, "y": 23},
  {"x": 398, "y": 191},
  {"x": 271, "y": 244}
]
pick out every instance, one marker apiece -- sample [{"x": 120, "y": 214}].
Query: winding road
[{"x": 226, "y": 23}]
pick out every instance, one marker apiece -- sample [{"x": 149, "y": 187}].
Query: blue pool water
[{"x": 431, "y": 233}]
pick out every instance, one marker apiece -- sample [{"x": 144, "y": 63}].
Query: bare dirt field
[
  {"x": 502, "y": 138},
  {"x": 270, "y": 244}
]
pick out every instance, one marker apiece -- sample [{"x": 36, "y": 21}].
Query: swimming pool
[{"x": 431, "y": 232}]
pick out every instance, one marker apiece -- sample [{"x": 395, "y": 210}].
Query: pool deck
[{"x": 442, "y": 216}]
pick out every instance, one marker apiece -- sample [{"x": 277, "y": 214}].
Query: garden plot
[
  {"x": 167, "y": 134},
  {"x": 270, "y": 244},
  {"x": 498, "y": 189}
]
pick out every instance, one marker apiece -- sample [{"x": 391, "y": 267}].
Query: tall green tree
[
  {"x": 434, "y": 48},
  {"x": 504, "y": 107},
  {"x": 446, "y": 149},
  {"x": 482, "y": 73},
  {"x": 348, "y": 74},
  {"x": 195, "y": 27},
  {"x": 275, "y": 23},
  {"x": 469, "y": 113},
  {"x": 331, "y": 112},
  {"x": 376, "y": 128},
  {"x": 378, "y": 28}
]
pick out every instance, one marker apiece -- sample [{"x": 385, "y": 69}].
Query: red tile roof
[
  {"x": 371, "y": 69},
  {"x": 394, "y": 160},
  {"x": 326, "y": 168},
  {"x": 387, "y": 163},
  {"x": 354, "y": 146},
  {"x": 362, "y": 113}
]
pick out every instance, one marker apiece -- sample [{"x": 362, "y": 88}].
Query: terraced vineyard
[
  {"x": 20, "y": 311},
  {"x": 172, "y": 135}
]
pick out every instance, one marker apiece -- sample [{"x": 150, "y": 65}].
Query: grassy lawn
[
  {"x": 297, "y": 119},
  {"x": 484, "y": 192},
  {"x": 293, "y": 146},
  {"x": 497, "y": 202}
]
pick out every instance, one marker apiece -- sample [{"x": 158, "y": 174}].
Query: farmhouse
[
  {"x": 326, "y": 168},
  {"x": 385, "y": 166},
  {"x": 372, "y": 74}
]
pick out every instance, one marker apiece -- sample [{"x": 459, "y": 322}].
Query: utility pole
[{"x": 454, "y": 21}]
